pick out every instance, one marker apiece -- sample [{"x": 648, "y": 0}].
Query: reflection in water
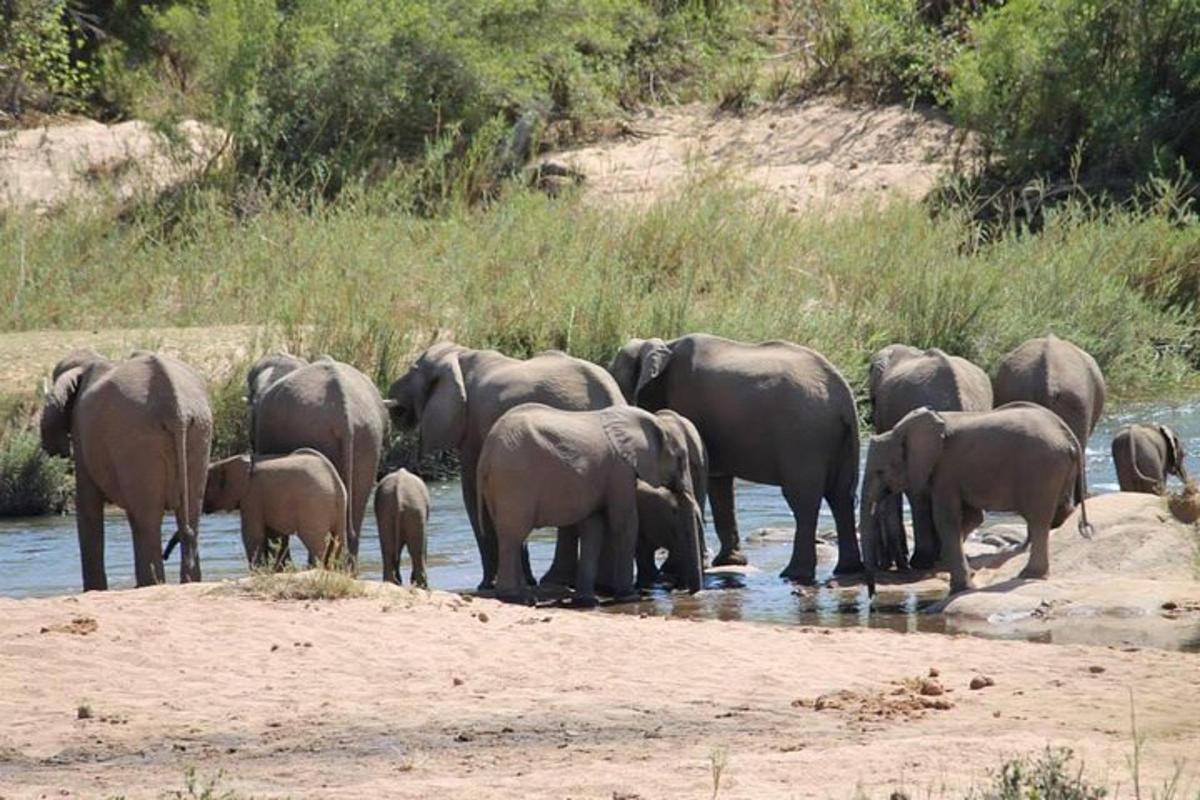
[{"x": 41, "y": 556}]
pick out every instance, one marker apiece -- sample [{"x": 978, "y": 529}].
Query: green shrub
[
  {"x": 39, "y": 69},
  {"x": 31, "y": 482},
  {"x": 1050, "y": 776},
  {"x": 1114, "y": 85}
]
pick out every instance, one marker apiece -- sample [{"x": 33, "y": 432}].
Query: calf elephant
[
  {"x": 1145, "y": 455},
  {"x": 298, "y": 493},
  {"x": 773, "y": 413},
  {"x": 454, "y": 395},
  {"x": 1020, "y": 458},
  {"x": 402, "y": 514},
  {"x": 903, "y": 379},
  {"x": 542, "y": 466},
  {"x": 140, "y": 432},
  {"x": 1054, "y": 373},
  {"x": 332, "y": 408}
]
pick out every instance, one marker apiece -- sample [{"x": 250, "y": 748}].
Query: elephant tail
[
  {"x": 1085, "y": 528},
  {"x": 182, "y": 508}
]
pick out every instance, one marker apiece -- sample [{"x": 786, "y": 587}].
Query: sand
[
  {"x": 412, "y": 694},
  {"x": 819, "y": 154}
]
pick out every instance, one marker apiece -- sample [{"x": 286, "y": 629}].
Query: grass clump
[
  {"x": 311, "y": 584},
  {"x": 31, "y": 482},
  {"x": 1046, "y": 777}
]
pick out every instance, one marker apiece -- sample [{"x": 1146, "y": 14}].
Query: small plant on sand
[
  {"x": 1046, "y": 777},
  {"x": 198, "y": 788},
  {"x": 312, "y": 584},
  {"x": 83, "y": 710},
  {"x": 718, "y": 759}
]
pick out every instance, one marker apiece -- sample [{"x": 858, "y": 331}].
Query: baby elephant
[
  {"x": 402, "y": 513},
  {"x": 1145, "y": 455},
  {"x": 663, "y": 523},
  {"x": 1020, "y": 457},
  {"x": 297, "y": 493}
]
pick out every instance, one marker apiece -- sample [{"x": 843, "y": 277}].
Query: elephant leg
[
  {"x": 841, "y": 502},
  {"x": 647, "y": 571},
  {"x": 254, "y": 538},
  {"x": 487, "y": 547},
  {"x": 622, "y": 520},
  {"x": 947, "y": 519},
  {"x": 805, "y": 505},
  {"x": 146, "y": 522},
  {"x": 416, "y": 542},
  {"x": 89, "y": 522},
  {"x": 561, "y": 574},
  {"x": 720, "y": 498},
  {"x": 889, "y": 532},
  {"x": 926, "y": 547},
  {"x": 591, "y": 544},
  {"x": 389, "y": 548},
  {"x": 1038, "y": 565},
  {"x": 509, "y": 581}
]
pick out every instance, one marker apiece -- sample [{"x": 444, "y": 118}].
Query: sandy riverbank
[{"x": 415, "y": 695}]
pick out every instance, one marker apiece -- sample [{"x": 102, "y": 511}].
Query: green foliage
[
  {"x": 1117, "y": 82},
  {"x": 1047, "y": 777},
  {"x": 31, "y": 482},
  {"x": 38, "y": 67}
]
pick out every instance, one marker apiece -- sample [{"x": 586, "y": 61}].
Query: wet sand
[{"x": 412, "y": 694}]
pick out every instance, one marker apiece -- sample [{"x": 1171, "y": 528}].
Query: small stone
[
  {"x": 464, "y": 736},
  {"x": 930, "y": 688},
  {"x": 996, "y": 713},
  {"x": 482, "y": 616},
  {"x": 1170, "y": 605},
  {"x": 981, "y": 682},
  {"x": 274, "y": 647},
  {"x": 933, "y": 673},
  {"x": 457, "y": 681},
  {"x": 1095, "y": 669}
]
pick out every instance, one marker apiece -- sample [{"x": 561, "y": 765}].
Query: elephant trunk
[
  {"x": 693, "y": 559},
  {"x": 873, "y": 494}
]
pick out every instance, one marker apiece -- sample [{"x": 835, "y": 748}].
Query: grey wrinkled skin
[
  {"x": 298, "y": 493},
  {"x": 1058, "y": 375},
  {"x": 773, "y": 413},
  {"x": 402, "y": 514},
  {"x": 1145, "y": 455},
  {"x": 332, "y": 408},
  {"x": 1019, "y": 458},
  {"x": 453, "y": 396},
  {"x": 902, "y": 379},
  {"x": 139, "y": 431},
  {"x": 544, "y": 467}
]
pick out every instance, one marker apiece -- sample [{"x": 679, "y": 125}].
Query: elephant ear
[
  {"x": 1174, "y": 448},
  {"x": 922, "y": 434},
  {"x": 616, "y": 430},
  {"x": 444, "y": 412},
  {"x": 56, "y": 412},
  {"x": 652, "y": 362}
]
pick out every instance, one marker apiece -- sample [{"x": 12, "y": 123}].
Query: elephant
[
  {"x": 1054, "y": 373},
  {"x": 330, "y": 407},
  {"x": 402, "y": 514},
  {"x": 140, "y": 432},
  {"x": 1145, "y": 455},
  {"x": 453, "y": 395},
  {"x": 774, "y": 413},
  {"x": 901, "y": 379},
  {"x": 1019, "y": 457},
  {"x": 542, "y": 466},
  {"x": 300, "y": 492}
]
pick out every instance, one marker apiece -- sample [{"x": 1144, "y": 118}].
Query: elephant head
[
  {"x": 68, "y": 377},
  {"x": 432, "y": 396},
  {"x": 227, "y": 482},
  {"x": 637, "y": 367},
  {"x": 657, "y": 447},
  {"x": 1175, "y": 453},
  {"x": 881, "y": 362},
  {"x": 901, "y": 460},
  {"x": 267, "y": 370},
  {"x": 697, "y": 455}
]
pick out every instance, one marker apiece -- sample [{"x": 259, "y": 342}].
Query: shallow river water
[{"x": 40, "y": 556}]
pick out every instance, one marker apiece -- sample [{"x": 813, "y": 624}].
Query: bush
[
  {"x": 40, "y": 70},
  {"x": 1114, "y": 86},
  {"x": 31, "y": 482},
  {"x": 1047, "y": 777}
]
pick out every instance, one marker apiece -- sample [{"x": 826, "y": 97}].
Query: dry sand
[
  {"x": 409, "y": 694},
  {"x": 820, "y": 153}
]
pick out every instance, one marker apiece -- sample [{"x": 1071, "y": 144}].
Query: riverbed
[{"x": 40, "y": 557}]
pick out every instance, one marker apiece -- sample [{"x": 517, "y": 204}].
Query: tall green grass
[{"x": 367, "y": 284}]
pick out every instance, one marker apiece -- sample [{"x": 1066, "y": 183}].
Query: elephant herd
[{"x": 621, "y": 461}]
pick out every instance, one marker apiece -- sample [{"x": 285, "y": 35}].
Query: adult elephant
[
  {"x": 328, "y": 406},
  {"x": 453, "y": 395},
  {"x": 541, "y": 466},
  {"x": 774, "y": 413},
  {"x": 140, "y": 432},
  {"x": 902, "y": 379},
  {"x": 1058, "y": 375}
]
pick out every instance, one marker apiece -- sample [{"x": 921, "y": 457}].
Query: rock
[
  {"x": 933, "y": 672},
  {"x": 482, "y": 616},
  {"x": 981, "y": 682},
  {"x": 930, "y": 688},
  {"x": 1096, "y": 669}
]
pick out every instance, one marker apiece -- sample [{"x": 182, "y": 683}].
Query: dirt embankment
[
  {"x": 819, "y": 154},
  {"x": 414, "y": 695}
]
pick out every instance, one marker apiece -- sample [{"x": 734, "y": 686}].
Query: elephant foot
[
  {"x": 965, "y": 585},
  {"x": 579, "y": 602},
  {"x": 552, "y": 591},
  {"x": 848, "y": 567},
  {"x": 486, "y": 585},
  {"x": 798, "y": 575},
  {"x": 730, "y": 558},
  {"x": 922, "y": 560},
  {"x": 1032, "y": 574},
  {"x": 517, "y": 598}
]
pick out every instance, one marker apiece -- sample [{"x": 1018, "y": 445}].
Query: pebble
[
  {"x": 1095, "y": 669},
  {"x": 981, "y": 681}
]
